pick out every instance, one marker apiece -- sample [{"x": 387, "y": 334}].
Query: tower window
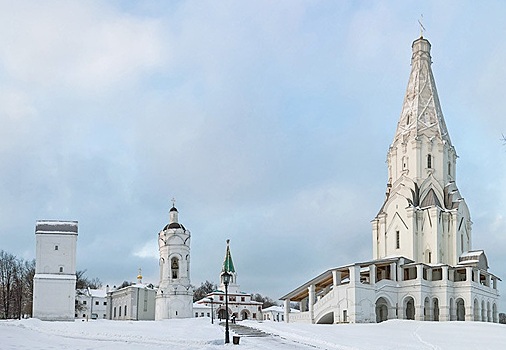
[
  {"x": 429, "y": 161},
  {"x": 61, "y": 268},
  {"x": 397, "y": 240},
  {"x": 174, "y": 265},
  {"x": 449, "y": 168},
  {"x": 55, "y": 247}
]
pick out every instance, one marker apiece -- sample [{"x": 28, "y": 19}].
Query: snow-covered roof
[
  {"x": 276, "y": 308},
  {"x": 56, "y": 226},
  {"x": 54, "y": 276}
]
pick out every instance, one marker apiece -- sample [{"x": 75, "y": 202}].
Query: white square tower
[{"x": 54, "y": 283}]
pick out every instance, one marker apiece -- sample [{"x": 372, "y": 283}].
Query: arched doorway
[
  {"x": 435, "y": 308},
  {"x": 381, "y": 310},
  {"x": 476, "y": 310},
  {"x": 426, "y": 309},
  {"x": 222, "y": 314},
  {"x": 409, "y": 308},
  {"x": 461, "y": 310},
  {"x": 244, "y": 314}
]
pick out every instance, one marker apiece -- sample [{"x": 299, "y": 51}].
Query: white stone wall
[{"x": 54, "y": 297}]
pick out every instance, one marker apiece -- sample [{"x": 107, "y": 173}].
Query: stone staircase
[{"x": 244, "y": 331}]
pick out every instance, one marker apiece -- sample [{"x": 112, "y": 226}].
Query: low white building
[
  {"x": 134, "y": 303},
  {"x": 240, "y": 304},
  {"x": 275, "y": 313},
  {"x": 92, "y": 304}
]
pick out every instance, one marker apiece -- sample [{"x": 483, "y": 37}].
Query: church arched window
[
  {"x": 429, "y": 161},
  {"x": 404, "y": 163},
  {"x": 174, "y": 267}
]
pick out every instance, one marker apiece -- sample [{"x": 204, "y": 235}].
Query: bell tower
[
  {"x": 174, "y": 298},
  {"x": 423, "y": 217}
]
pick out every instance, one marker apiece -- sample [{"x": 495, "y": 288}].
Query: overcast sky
[{"x": 268, "y": 121}]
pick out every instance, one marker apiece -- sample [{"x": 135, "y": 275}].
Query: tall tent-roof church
[{"x": 424, "y": 266}]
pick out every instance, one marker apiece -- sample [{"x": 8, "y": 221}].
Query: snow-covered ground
[{"x": 200, "y": 334}]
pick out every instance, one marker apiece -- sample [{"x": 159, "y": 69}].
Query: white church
[{"x": 423, "y": 267}]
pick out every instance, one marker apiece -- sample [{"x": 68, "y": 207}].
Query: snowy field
[{"x": 200, "y": 334}]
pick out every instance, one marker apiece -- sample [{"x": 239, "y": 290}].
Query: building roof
[
  {"x": 421, "y": 111},
  {"x": 56, "y": 226},
  {"x": 276, "y": 308}
]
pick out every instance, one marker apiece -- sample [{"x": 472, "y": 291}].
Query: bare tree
[
  {"x": 204, "y": 289},
  {"x": 8, "y": 271},
  {"x": 266, "y": 301}
]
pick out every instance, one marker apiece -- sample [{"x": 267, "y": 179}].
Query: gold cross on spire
[{"x": 422, "y": 28}]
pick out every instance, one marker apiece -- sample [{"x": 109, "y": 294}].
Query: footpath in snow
[{"x": 199, "y": 333}]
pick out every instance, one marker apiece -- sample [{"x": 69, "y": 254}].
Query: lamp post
[
  {"x": 226, "y": 281},
  {"x": 212, "y": 313}
]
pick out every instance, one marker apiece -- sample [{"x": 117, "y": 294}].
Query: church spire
[
  {"x": 421, "y": 111},
  {"x": 228, "y": 264}
]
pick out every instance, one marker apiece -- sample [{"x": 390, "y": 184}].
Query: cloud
[{"x": 75, "y": 45}]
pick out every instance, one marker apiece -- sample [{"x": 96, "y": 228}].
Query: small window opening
[
  {"x": 429, "y": 161},
  {"x": 174, "y": 267},
  {"x": 397, "y": 239},
  {"x": 61, "y": 268},
  {"x": 55, "y": 247}
]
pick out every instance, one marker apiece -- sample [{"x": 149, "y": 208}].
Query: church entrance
[
  {"x": 461, "y": 310},
  {"x": 244, "y": 314},
  {"x": 381, "y": 310},
  {"x": 410, "y": 308}
]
